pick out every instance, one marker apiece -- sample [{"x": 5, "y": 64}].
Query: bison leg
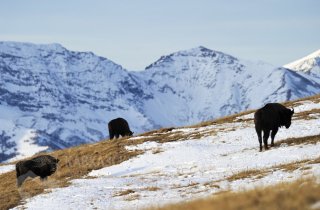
[
  {"x": 117, "y": 136},
  {"x": 111, "y": 135},
  {"x": 273, "y": 134},
  {"x": 43, "y": 178},
  {"x": 259, "y": 138},
  {"x": 23, "y": 177},
  {"x": 266, "y": 134}
]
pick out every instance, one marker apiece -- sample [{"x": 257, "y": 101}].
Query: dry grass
[
  {"x": 306, "y": 115},
  {"x": 315, "y": 161},
  {"x": 124, "y": 192},
  {"x": 152, "y": 188},
  {"x": 290, "y": 167},
  {"x": 162, "y": 136},
  {"x": 301, "y": 140},
  {"x": 222, "y": 120},
  {"x": 297, "y": 195},
  {"x": 192, "y": 184},
  {"x": 212, "y": 185},
  {"x": 132, "y": 197},
  {"x": 315, "y": 99},
  {"x": 248, "y": 174},
  {"x": 260, "y": 173},
  {"x": 157, "y": 150}
]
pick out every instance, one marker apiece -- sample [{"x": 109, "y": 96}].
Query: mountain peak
[
  {"x": 25, "y": 49},
  {"x": 196, "y": 52},
  {"x": 308, "y": 64},
  {"x": 315, "y": 54},
  {"x": 201, "y": 49},
  {"x": 27, "y": 44}
]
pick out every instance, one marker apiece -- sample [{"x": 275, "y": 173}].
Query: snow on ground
[
  {"x": 189, "y": 169},
  {"x": 6, "y": 168}
]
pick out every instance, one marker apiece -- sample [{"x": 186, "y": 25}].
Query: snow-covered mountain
[
  {"x": 200, "y": 84},
  {"x": 53, "y": 98},
  {"x": 309, "y": 64}
]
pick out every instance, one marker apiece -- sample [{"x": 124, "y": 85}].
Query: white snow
[
  {"x": 6, "y": 168},
  {"x": 26, "y": 143},
  {"x": 184, "y": 170},
  {"x": 316, "y": 205},
  {"x": 309, "y": 64}
]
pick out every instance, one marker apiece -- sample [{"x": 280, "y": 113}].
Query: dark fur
[
  {"x": 270, "y": 118},
  {"x": 119, "y": 127},
  {"x": 43, "y": 166}
]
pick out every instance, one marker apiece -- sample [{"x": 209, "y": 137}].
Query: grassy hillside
[
  {"x": 301, "y": 194},
  {"x": 77, "y": 162}
]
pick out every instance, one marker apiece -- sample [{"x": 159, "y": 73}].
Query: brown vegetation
[
  {"x": 152, "y": 188},
  {"x": 132, "y": 197},
  {"x": 124, "y": 192},
  {"x": 247, "y": 174},
  {"x": 260, "y": 173},
  {"x": 301, "y": 194},
  {"x": 315, "y": 99},
  {"x": 301, "y": 140}
]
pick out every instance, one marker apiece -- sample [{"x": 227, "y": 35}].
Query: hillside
[
  {"x": 53, "y": 98},
  {"x": 176, "y": 164}
]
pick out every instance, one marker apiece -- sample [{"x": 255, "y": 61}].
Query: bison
[
  {"x": 118, "y": 127},
  {"x": 270, "y": 118},
  {"x": 43, "y": 166}
]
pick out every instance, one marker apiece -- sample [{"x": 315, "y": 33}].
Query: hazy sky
[{"x": 135, "y": 33}]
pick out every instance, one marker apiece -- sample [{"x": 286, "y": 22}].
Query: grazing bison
[
  {"x": 118, "y": 127},
  {"x": 42, "y": 166},
  {"x": 270, "y": 118}
]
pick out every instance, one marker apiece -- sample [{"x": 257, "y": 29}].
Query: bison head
[
  {"x": 130, "y": 133},
  {"x": 53, "y": 165},
  {"x": 287, "y": 117}
]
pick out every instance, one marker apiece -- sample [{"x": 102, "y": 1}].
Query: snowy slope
[
  {"x": 192, "y": 168},
  {"x": 52, "y": 98},
  {"x": 309, "y": 64}
]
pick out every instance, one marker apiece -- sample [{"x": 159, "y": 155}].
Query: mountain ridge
[{"x": 56, "y": 98}]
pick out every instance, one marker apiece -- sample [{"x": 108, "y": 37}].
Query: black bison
[
  {"x": 118, "y": 127},
  {"x": 42, "y": 166},
  {"x": 270, "y": 118}
]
